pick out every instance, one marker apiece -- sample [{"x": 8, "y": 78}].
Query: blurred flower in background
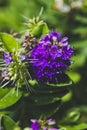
[
  {"x": 61, "y": 6},
  {"x": 65, "y": 7},
  {"x": 76, "y": 3}
]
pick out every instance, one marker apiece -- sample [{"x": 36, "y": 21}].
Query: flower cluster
[
  {"x": 14, "y": 69},
  {"x": 50, "y": 57},
  {"x": 53, "y": 57},
  {"x": 43, "y": 124}
]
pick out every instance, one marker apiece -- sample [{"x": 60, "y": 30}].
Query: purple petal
[
  {"x": 35, "y": 126},
  {"x": 51, "y": 122},
  {"x": 64, "y": 39},
  {"x": 55, "y": 34},
  {"x": 8, "y": 59},
  {"x": 45, "y": 39},
  {"x": 34, "y": 120}
]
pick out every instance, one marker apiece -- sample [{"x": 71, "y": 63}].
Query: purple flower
[
  {"x": 42, "y": 124},
  {"x": 53, "y": 57},
  {"x": 35, "y": 125},
  {"x": 7, "y": 57}
]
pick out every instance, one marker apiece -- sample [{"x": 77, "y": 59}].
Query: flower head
[
  {"x": 42, "y": 124},
  {"x": 15, "y": 69},
  {"x": 53, "y": 57}
]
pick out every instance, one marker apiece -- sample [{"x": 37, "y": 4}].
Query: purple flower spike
[
  {"x": 7, "y": 58},
  {"x": 53, "y": 57}
]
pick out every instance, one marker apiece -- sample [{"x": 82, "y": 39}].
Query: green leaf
[
  {"x": 74, "y": 76},
  {"x": 63, "y": 81},
  {"x": 45, "y": 29},
  {"x": 67, "y": 97},
  {"x": 57, "y": 90},
  {"x": 44, "y": 110},
  {"x": 4, "y": 112},
  {"x": 80, "y": 30},
  {"x": 48, "y": 96},
  {"x": 44, "y": 99},
  {"x": 81, "y": 18},
  {"x": 8, "y": 123},
  {"x": 78, "y": 63},
  {"x": 10, "y": 98},
  {"x": 3, "y": 92},
  {"x": 61, "y": 84},
  {"x": 80, "y": 44},
  {"x": 73, "y": 116},
  {"x": 10, "y": 43},
  {"x": 46, "y": 90},
  {"x": 38, "y": 30},
  {"x": 82, "y": 126}
]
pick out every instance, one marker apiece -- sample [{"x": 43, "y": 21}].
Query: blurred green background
[{"x": 68, "y": 17}]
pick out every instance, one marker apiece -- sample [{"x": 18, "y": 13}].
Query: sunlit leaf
[
  {"x": 67, "y": 97},
  {"x": 9, "y": 42},
  {"x": 9, "y": 98},
  {"x": 40, "y": 29},
  {"x": 74, "y": 76},
  {"x": 82, "y": 126}
]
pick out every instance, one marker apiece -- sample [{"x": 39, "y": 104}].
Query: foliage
[
  {"x": 46, "y": 95},
  {"x": 73, "y": 23}
]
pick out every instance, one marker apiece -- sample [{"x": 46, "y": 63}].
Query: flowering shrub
[{"x": 34, "y": 80}]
